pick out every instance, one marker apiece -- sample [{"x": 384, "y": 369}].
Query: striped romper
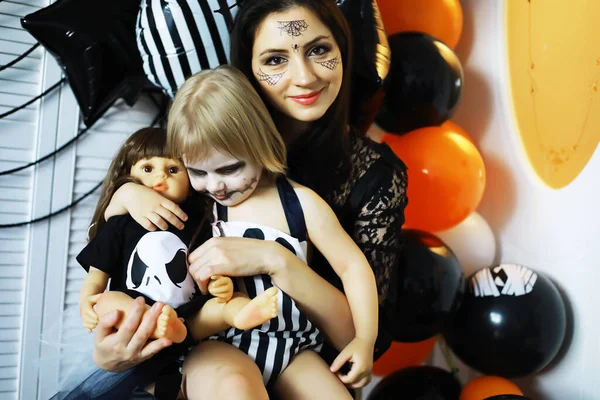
[{"x": 273, "y": 344}]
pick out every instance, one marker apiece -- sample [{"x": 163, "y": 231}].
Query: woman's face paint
[{"x": 295, "y": 59}]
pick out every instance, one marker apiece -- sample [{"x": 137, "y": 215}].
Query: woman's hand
[
  {"x": 232, "y": 256},
  {"x": 360, "y": 353},
  {"x": 146, "y": 207},
  {"x": 118, "y": 350}
]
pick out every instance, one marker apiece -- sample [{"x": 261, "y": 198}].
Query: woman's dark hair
[{"x": 315, "y": 158}]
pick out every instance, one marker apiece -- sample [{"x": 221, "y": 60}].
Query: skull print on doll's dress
[{"x": 158, "y": 269}]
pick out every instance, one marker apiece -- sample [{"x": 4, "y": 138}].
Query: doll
[{"x": 154, "y": 264}]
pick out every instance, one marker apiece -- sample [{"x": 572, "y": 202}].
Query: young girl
[
  {"x": 234, "y": 155},
  {"x": 154, "y": 264}
]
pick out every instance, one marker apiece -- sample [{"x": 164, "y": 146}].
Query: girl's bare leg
[
  {"x": 216, "y": 370},
  {"x": 308, "y": 377},
  {"x": 168, "y": 325}
]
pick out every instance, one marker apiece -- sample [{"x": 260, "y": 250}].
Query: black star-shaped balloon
[{"x": 94, "y": 41}]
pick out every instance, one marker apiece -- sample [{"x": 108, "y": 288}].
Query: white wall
[{"x": 552, "y": 231}]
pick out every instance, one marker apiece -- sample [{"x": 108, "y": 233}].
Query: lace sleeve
[{"x": 377, "y": 230}]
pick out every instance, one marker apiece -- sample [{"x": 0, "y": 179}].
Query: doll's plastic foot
[
  {"x": 169, "y": 326},
  {"x": 261, "y": 309}
]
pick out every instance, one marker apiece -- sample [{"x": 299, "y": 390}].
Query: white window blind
[{"x": 39, "y": 276}]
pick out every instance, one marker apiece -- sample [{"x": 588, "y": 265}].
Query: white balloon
[{"x": 473, "y": 243}]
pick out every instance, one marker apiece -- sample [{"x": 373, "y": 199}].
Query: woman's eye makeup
[
  {"x": 319, "y": 50},
  {"x": 330, "y": 64},
  {"x": 271, "y": 79},
  {"x": 275, "y": 60}
]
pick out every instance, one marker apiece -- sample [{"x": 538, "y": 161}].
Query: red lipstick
[{"x": 307, "y": 99}]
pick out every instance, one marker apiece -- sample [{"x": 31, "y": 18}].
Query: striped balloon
[{"x": 177, "y": 38}]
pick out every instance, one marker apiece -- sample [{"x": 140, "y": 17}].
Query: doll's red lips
[{"x": 160, "y": 187}]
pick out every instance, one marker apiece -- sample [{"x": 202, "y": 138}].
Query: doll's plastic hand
[
  {"x": 221, "y": 287},
  {"x": 87, "y": 312},
  {"x": 359, "y": 352},
  {"x": 148, "y": 208},
  {"x": 118, "y": 350}
]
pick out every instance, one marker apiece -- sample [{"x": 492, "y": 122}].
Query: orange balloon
[
  {"x": 452, "y": 127},
  {"x": 446, "y": 176},
  {"x": 401, "y": 355},
  {"x": 442, "y": 19},
  {"x": 488, "y": 386}
]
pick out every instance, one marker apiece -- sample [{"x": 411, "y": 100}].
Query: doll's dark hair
[{"x": 142, "y": 144}]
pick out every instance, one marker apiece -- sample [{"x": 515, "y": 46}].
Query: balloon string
[
  {"x": 22, "y": 56},
  {"x": 449, "y": 358},
  {"x": 47, "y": 156},
  {"x": 22, "y": 106},
  {"x": 52, "y": 214}
]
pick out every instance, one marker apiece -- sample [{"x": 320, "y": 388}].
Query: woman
[{"x": 297, "y": 54}]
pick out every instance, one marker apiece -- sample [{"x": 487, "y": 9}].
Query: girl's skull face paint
[
  {"x": 226, "y": 179},
  {"x": 297, "y": 63}
]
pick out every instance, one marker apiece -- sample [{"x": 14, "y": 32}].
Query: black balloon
[
  {"x": 430, "y": 286},
  {"x": 417, "y": 383},
  {"x": 94, "y": 42},
  {"x": 512, "y": 322},
  {"x": 424, "y": 84},
  {"x": 371, "y": 52},
  {"x": 508, "y": 397}
]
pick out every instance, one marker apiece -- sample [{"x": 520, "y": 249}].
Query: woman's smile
[{"x": 307, "y": 99}]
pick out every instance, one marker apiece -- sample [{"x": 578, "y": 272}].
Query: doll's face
[
  {"x": 297, "y": 63},
  {"x": 226, "y": 179},
  {"x": 165, "y": 175}
]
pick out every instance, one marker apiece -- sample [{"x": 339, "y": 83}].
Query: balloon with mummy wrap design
[{"x": 512, "y": 322}]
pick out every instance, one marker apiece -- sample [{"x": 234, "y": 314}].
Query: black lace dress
[{"x": 370, "y": 203}]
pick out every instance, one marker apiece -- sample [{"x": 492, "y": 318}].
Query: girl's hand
[
  {"x": 360, "y": 353},
  {"x": 118, "y": 350},
  {"x": 231, "y": 256},
  {"x": 146, "y": 207}
]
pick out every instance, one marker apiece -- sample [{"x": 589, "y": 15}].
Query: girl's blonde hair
[
  {"x": 220, "y": 110},
  {"x": 144, "y": 143}
]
